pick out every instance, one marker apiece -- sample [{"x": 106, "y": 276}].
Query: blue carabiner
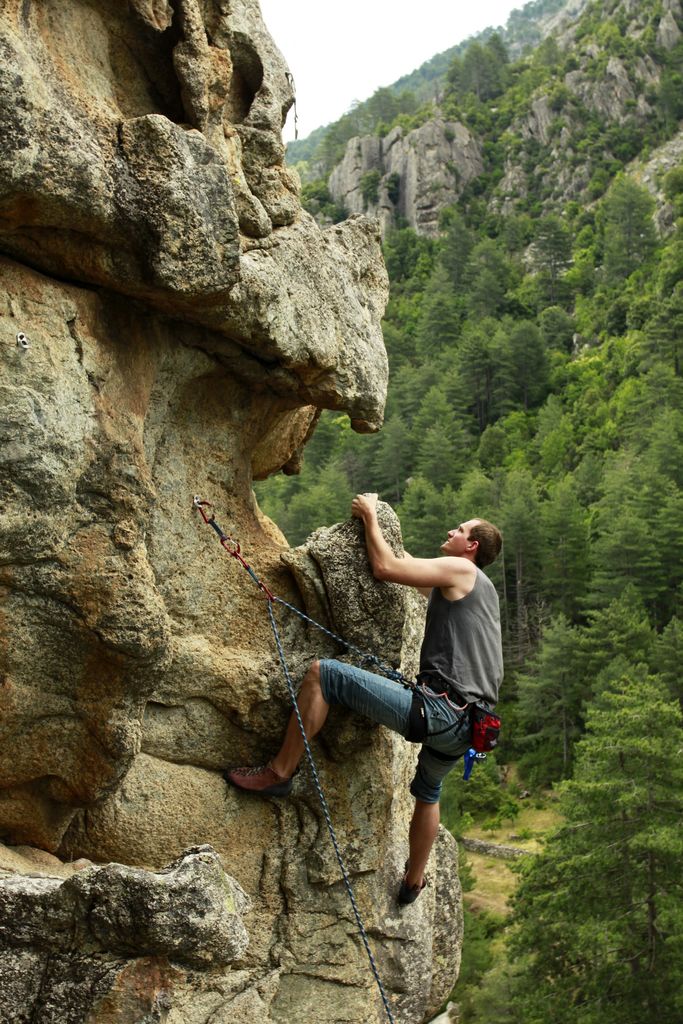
[{"x": 469, "y": 757}]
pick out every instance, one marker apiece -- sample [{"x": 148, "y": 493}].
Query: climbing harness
[{"x": 233, "y": 548}]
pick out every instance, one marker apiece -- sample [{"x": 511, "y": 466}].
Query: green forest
[{"x": 536, "y": 379}]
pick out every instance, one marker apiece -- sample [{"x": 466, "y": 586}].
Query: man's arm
[
  {"x": 448, "y": 572},
  {"x": 425, "y": 591}
]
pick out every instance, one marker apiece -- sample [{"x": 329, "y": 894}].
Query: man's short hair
[{"x": 490, "y": 542}]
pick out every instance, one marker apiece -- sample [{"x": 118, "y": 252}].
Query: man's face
[{"x": 458, "y": 541}]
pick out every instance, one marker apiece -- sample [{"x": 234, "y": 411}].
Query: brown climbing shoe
[{"x": 261, "y": 780}]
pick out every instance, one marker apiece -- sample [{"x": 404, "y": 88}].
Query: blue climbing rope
[
  {"x": 326, "y": 812},
  {"x": 363, "y": 656},
  {"x": 233, "y": 548}
]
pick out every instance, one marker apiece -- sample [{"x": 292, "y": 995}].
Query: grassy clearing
[
  {"x": 494, "y": 883},
  {"x": 528, "y": 829},
  {"x": 494, "y": 879}
]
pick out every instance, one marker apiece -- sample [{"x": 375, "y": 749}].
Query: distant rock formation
[
  {"x": 604, "y": 87},
  {"x": 651, "y": 171},
  {"x": 412, "y": 176},
  {"x": 171, "y": 323}
]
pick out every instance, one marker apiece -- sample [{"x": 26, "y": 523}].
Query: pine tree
[
  {"x": 555, "y": 439},
  {"x": 483, "y": 372},
  {"x": 557, "y": 328},
  {"x": 455, "y": 248},
  {"x": 630, "y": 237},
  {"x": 566, "y": 549},
  {"x": 552, "y": 253},
  {"x": 326, "y": 501},
  {"x": 440, "y": 317},
  {"x": 615, "y": 634},
  {"x": 392, "y": 459},
  {"x": 667, "y": 658},
  {"x": 443, "y": 454},
  {"x": 668, "y": 523},
  {"x": 426, "y": 515},
  {"x": 599, "y": 913},
  {"x": 488, "y": 276},
  {"x": 528, "y": 363},
  {"x": 550, "y": 695},
  {"x": 478, "y": 496},
  {"x": 626, "y": 549},
  {"x": 520, "y": 516}
]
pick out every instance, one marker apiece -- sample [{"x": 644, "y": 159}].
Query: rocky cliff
[
  {"x": 117, "y": 940},
  {"x": 411, "y": 175},
  {"x": 547, "y": 152},
  {"x": 171, "y": 323},
  {"x": 545, "y": 149}
]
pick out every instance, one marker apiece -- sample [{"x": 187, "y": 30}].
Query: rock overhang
[{"x": 151, "y": 164}]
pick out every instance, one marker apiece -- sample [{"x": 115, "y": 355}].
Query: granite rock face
[
  {"x": 150, "y": 161},
  {"x": 137, "y": 660},
  {"x": 417, "y": 174},
  {"x": 191, "y": 912},
  {"x": 171, "y": 324},
  {"x": 302, "y": 935},
  {"x": 115, "y": 943}
]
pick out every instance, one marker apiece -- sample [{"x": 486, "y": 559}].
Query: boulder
[{"x": 115, "y": 943}]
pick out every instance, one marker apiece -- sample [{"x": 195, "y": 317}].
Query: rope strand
[
  {"x": 369, "y": 659},
  {"x": 233, "y": 548},
  {"x": 326, "y": 811}
]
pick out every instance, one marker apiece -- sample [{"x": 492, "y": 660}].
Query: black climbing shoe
[{"x": 409, "y": 893}]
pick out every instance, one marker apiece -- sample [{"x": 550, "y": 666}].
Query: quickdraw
[
  {"x": 230, "y": 544},
  {"x": 233, "y": 548}
]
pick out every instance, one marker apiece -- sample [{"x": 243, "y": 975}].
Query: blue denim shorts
[{"x": 388, "y": 703}]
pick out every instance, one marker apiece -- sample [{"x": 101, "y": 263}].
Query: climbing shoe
[
  {"x": 262, "y": 780},
  {"x": 409, "y": 893}
]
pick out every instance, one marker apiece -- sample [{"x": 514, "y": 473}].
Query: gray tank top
[{"x": 462, "y": 642}]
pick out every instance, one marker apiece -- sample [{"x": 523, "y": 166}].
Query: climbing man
[{"x": 461, "y": 665}]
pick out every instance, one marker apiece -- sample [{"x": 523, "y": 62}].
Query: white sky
[{"x": 343, "y": 52}]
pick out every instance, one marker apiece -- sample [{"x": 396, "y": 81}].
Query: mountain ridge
[{"x": 525, "y": 27}]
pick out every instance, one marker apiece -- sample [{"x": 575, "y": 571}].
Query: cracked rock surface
[
  {"x": 115, "y": 942},
  {"x": 171, "y": 324}
]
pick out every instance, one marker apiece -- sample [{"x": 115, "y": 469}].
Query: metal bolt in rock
[{"x": 22, "y": 341}]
